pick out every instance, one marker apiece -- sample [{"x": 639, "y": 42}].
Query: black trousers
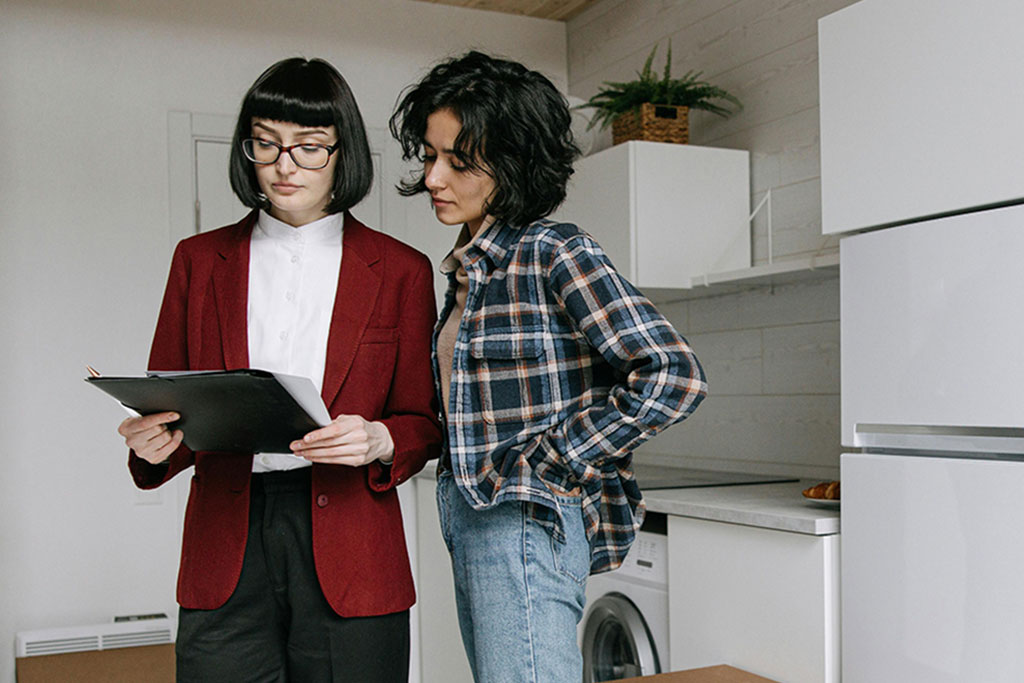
[{"x": 277, "y": 626}]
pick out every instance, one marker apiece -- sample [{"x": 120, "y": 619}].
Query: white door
[{"x": 216, "y": 204}]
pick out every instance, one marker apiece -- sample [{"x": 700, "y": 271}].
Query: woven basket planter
[{"x": 654, "y": 122}]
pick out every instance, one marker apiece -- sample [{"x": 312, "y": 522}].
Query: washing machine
[{"x": 624, "y": 630}]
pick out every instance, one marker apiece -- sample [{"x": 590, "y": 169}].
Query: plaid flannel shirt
[{"x": 561, "y": 368}]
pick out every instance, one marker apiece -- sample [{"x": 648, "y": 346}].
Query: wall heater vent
[
  {"x": 55, "y": 641},
  {"x": 56, "y": 646}
]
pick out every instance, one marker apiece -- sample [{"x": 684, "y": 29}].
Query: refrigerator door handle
[{"x": 938, "y": 439}]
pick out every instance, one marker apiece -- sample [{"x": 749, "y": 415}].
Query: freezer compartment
[
  {"x": 932, "y": 551},
  {"x": 931, "y": 324}
]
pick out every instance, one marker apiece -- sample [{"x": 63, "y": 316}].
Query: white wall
[
  {"x": 84, "y": 97},
  {"x": 772, "y": 355},
  {"x": 772, "y": 360}
]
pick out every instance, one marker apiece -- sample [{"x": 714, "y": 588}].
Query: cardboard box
[{"x": 708, "y": 674}]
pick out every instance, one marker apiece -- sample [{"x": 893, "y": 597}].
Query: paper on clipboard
[{"x": 300, "y": 388}]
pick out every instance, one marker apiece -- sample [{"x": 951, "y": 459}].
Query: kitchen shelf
[{"x": 790, "y": 271}]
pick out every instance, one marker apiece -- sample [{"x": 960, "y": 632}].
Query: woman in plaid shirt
[{"x": 551, "y": 368}]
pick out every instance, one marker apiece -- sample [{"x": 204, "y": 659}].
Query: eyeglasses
[{"x": 310, "y": 156}]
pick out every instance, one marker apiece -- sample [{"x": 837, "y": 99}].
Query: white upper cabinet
[
  {"x": 921, "y": 109},
  {"x": 664, "y": 213}
]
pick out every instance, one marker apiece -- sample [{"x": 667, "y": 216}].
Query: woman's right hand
[{"x": 149, "y": 436}]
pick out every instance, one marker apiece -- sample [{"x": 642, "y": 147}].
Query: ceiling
[{"x": 561, "y": 10}]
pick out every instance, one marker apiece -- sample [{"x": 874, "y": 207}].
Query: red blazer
[{"x": 378, "y": 366}]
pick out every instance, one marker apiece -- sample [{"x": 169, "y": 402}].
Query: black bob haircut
[
  {"x": 307, "y": 92},
  {"x": 515, "y": 128}
]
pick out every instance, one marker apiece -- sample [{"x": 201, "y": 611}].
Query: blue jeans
[{"x": 519, "y": 592}]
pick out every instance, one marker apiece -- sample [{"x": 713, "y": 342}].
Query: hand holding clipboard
[{"x": 243, "y": 410}]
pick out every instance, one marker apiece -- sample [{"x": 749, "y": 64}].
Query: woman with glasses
[
  {"x": 552, "y": 368},
  {"x": 294, "y": 565}
]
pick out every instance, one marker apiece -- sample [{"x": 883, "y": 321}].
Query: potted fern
[{"x": 652, "y": 108}]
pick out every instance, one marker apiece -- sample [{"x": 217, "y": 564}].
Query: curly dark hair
[{"x": 515, "y": 128}]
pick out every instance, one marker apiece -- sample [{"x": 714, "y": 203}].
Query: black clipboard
[{"x": 237, "y": 411}]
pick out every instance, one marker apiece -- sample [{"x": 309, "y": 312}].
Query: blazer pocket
[
  {"x": 372, "y": 371},
  {"x": 379, "y": 335}
]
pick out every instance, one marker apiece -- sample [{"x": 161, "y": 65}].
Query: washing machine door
[{"x": 616, "y": 641}]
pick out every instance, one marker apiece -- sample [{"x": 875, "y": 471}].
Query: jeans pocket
[
  {"x": 571, "y": 557},
  {"x": 445, "y": 481}
]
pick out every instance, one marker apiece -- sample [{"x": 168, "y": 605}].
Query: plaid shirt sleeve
[{"x": 661, "y": 382}]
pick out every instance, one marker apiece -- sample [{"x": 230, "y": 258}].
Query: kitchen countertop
[{"x": 770, "y": 506}]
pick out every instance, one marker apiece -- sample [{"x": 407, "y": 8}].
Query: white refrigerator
[{"x": 932, "y": 332}]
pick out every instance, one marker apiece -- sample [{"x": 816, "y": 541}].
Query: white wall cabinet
[
  {"x": 920, "y": 109},
  {"x": 759, "y": 599},
  {"x": 664, "y": 213}
]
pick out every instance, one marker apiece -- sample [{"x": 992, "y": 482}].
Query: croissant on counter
[{"x": 828, "y": 490}]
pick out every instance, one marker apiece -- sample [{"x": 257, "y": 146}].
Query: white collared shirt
[{"x": 293, "y": 281}]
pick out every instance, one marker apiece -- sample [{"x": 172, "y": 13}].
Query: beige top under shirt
[{"x": 450, "y": 329}]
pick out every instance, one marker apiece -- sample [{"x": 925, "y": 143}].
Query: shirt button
[
  {"x": 295, "y": 258},
  {"x": 290, "y": 296},
  {"x": 321, "y": 500},
  {"x": 284, "y": 336}
]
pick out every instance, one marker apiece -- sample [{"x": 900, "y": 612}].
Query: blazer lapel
[
  {"x": 231, "y": 290},
  {"x": 358, "y": 286}
]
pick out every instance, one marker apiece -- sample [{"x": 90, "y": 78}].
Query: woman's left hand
[{"x": 347, "y": 440}]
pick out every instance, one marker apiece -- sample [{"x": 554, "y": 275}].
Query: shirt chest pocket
[{"x": 512, "y": 376}]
